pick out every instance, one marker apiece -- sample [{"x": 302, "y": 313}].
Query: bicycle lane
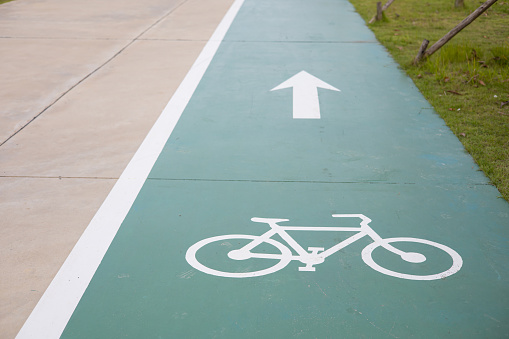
[{"x": 242, "y": 149}]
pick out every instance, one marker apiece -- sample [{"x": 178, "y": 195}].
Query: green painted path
[{"x": 378, "y": 153}]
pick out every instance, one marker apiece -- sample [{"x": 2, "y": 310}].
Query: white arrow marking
[{"x": 305, "y": 94}]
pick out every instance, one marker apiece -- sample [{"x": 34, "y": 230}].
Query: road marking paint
[
  {"x": 50, "y": 316},
  {"x": 316, "y": 255},
  {"x": 305, "y": 94}
]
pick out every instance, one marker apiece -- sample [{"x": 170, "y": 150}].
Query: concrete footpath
[
  {"x": 296, "y": 184},
  {"x": 81, "y": 85}
]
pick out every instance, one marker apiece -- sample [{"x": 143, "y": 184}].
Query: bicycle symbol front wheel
[
  {"x": 284, "y": 257},
  {"x": 457, "y": 261}
]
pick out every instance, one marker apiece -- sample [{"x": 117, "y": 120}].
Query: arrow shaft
[{"x": 305, "y": 102}]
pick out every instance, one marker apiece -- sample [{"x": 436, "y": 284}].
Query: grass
[
  {"x": 4, "y": 1},
  {"x": 466, "y": 81}
]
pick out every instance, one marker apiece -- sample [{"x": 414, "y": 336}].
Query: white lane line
[{"x": 49, "y": 318}]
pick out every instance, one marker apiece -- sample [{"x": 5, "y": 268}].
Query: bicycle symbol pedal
[{"x": 317, "y": 255}]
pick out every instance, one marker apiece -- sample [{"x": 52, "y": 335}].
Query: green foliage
[
  {"x": 501, "y": 54},
  {"x": 466, "y": 81}
]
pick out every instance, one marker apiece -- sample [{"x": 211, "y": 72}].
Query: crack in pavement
[{"x": 95, "y": 70}]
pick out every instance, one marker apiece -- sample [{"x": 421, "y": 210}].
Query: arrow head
[{"x": 305, "y": 79}]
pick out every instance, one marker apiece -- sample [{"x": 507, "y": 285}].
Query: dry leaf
[
  {"x": 446, "y": 79},
  {"x": 399, "y": 47},
  {"x": 482, "y": 82},
  {"x": 451, "y": 109},
  {"x": 454, "y": 92},
  {"x": 419, "y": 76},
  {"x": 463, "y": 134}
]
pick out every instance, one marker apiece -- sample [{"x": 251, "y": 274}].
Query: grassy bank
[{"x": 467, "y": 81}]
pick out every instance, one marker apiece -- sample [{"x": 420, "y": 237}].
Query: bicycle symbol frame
[{"x": 317, "y": 255}]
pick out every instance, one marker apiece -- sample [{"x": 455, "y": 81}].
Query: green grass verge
[
  {"x": 4, "y": 1},
  {"x": 466, "y": 81}
]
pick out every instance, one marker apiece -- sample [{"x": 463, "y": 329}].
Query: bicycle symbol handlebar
[{"x": 316, "y": 255}]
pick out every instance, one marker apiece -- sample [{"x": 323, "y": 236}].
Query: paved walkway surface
[{"x": 297, "y": 184}]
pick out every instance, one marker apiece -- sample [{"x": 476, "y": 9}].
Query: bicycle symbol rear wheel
[
  {"x": 457, "y": 261},
  {"x": 283, "y": 259}
]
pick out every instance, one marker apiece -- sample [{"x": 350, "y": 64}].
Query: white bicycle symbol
[{"x": 317, "y": 255}]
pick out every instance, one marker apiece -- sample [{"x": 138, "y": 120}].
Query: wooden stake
[
  {"x": 379, "y": 11},
  {"x": 467, "y": 21},
  {"x": 421, "y": 51},
  {"x": 387, "y": 4}
]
